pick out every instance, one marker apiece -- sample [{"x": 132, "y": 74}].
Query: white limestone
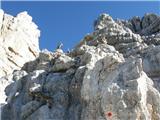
[
  {"x": 112, "y": 74},
  {"x": 18, "y": 41}
]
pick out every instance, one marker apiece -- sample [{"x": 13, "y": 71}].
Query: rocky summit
[{"x": 113, "y": 73}]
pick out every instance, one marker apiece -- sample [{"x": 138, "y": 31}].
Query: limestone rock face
[
  {"x": 113, "y": 73},
  {"x": 18, "y": 41},
  {"x": 147, "y": 25}
]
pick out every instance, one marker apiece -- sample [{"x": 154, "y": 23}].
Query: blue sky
[{"x": 68, "y": 22}]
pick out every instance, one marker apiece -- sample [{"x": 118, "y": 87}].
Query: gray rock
[
  {"x": 111, "y": 74},
  {"x": 148, "y": 19},
  {"x": 136, "y": 22}
]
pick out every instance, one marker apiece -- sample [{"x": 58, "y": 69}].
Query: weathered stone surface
[
  {"x": 111, "y": 74},
  {"x": 147, "y": 25},
  {"x": 18, "y": 41}
]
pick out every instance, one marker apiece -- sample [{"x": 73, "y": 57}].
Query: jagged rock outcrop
[
  {"x": 18, "y": 41},
  {"x": 147, "y": 25},
  {"x": 112, "y": 74}
]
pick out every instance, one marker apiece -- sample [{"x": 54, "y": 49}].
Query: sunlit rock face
[
  {"x": 18, "y": 41},
  {"x": 113, "y": 73}
]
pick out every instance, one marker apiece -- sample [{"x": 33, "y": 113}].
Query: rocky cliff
[
  {"x": 113, "y": 73},
  {"x": 18, "y": 44},
  {"x": 18, "y": 41}
]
